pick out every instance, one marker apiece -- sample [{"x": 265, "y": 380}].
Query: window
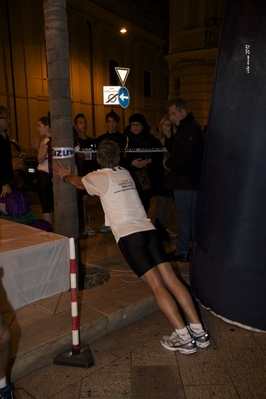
[
  {"x": 147, "y": 84},
  {"x": 113, "y": 74}
]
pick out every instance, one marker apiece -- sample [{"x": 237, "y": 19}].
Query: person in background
[
  {"x": 5, "y": 336},
  {"x": 6, "y": 168},
  {"x": 184, "y": 166},
  {"x": 165, "y": 195},
  {"x": 146, "y": 168},
  {"x": 112, "y": 121},
  {"x": 85, "y": 162},
  {"x": 141, "y": 245},
  {"x": 45, "y": 168}
]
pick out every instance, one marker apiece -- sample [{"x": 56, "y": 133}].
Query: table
[{"x": 34, "y": 264}]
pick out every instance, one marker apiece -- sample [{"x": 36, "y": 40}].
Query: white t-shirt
[{"x": 120, "y": 200}]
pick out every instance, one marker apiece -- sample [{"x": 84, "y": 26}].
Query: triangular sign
[{"x": 122, "y": 74}]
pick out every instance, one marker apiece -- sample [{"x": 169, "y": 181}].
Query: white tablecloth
[{"x": 34, "y": 264}]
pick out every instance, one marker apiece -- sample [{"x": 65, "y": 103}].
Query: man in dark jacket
[
  {"x": 184, "y": 164},
  {"x": 6, "y": 168}
]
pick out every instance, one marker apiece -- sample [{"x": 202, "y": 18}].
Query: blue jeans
[{"x": 185, "y": 212}]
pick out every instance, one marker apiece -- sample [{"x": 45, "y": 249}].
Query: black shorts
[{"x": 143, "y": 251}]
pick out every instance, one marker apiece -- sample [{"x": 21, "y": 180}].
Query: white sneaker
[
  {"x": 89, "y": 231},
  {"x": 202, "y": 339},
  {"x": 171, "y": 233},
  {"x": 104, "y": 229},
  {"x": 175, "y": 343}
]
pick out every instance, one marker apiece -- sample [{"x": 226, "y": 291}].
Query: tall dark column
[{"x": 228, "y": 270}]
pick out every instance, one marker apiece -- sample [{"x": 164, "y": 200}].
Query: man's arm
[{"x": 65, "y": 174}]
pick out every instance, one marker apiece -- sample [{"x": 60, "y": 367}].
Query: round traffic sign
[{"x": 123, "y": 97}]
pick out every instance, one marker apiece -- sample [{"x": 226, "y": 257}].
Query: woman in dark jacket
[{"x": 146, "y": 168}]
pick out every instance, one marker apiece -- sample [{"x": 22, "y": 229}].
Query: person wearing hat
[{"x": 146, "y": 168}]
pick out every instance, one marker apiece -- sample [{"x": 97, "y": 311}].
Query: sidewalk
[
  {"x": 122, "y": 326},
  {"x": 131, "y": 363},
  {"x": 43, "y": 329}
]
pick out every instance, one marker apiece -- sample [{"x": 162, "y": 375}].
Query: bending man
[{"x": 141, "y": 245}]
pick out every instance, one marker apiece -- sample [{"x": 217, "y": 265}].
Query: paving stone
[
  {"x": 110, "y": 382},
  {"x": 210, "y": 391},
  {"x": 156, "y": 382}
]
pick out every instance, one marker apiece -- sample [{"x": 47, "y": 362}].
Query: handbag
[
  {"x": 141, "y": 179},
  {"x": 16, "y": 203},
  {"x": 140, "y": 176}
]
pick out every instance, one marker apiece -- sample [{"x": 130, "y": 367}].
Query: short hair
[
  {"x": 112, "y": 114},
  {"x": 45, "y": 120},
  {"x": 179, "y": 104},
  {"x": 80, "y": 115},
  {"x": 108, "y": 154},
  {"x": 4, "y": 109}
]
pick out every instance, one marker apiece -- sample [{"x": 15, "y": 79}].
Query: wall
[
  {"x": 94, "y": 39},
  {"x": 195, "y": 27}
]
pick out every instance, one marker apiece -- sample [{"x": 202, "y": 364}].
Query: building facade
[
  {"x": 195, "y": 27},
  {"x": 96, "y": 47}
]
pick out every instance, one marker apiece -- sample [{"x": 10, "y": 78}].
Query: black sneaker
[
  {"x": 178, "y": 257},
  {"x": 6, "y": 392}
]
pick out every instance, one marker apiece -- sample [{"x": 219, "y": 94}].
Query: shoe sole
[
  {"x": 181, "y": 350},
  {"x": 202, "y": 341},
  {"x": 202, "y": 344},
  {"x": 90, "y": 232}
]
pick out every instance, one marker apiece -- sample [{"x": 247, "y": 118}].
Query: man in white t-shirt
[{"x": 141, "y": 245}]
